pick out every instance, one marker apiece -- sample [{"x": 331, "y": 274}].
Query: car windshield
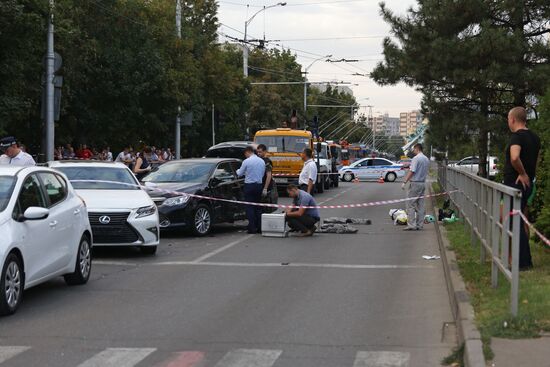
[
  {"x": 283, "y": 144},
  {"x": 100, "y": 178},
  {"x": 6, "y": 188},
  {"x": 195, "y": 172}
]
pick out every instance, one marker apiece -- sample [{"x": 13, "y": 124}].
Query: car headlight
[
  {"x": 146, "y": 211},
  {"x": 177, "y": 200}
]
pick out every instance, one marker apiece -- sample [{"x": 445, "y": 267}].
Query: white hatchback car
[
  {"x": 120, "y": 212},
  {"x": 45, "y": 232}
]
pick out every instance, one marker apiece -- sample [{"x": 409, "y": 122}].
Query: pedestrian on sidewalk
[
  {"x": 253, "y": 169},
  {"x": 308, "y": 175},
  {"x": 417, "y": 174},
  {"x": 522, "y": 155},
  {"x": 302, "y": 219}
]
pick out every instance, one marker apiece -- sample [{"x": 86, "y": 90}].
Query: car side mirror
[{"x": 35, "y": 213}]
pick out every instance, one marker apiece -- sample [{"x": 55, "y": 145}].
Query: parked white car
[
  {"x": 471, "y": 164},
  {"x": 45, "y": 232},
  {"x": 372, "y": 169},
  {"x": 120, "y": 212}
]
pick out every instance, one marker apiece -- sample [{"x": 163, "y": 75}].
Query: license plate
[{"x": 281, "y": 179}]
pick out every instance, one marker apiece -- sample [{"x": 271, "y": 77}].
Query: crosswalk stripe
[
  {"x": 249, "y": 358},
  {"x": 184, "y": 359},
  {"x": 10, "y": 352},
  {"x": 118, "y": 357},
  {"x": 381, "y": 359}
]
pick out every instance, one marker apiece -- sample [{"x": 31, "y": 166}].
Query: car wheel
[
  {"x": 12, "y": 285},
  {"x": 391, "y": 177},
  {"x": 148, "y": 250},
  {"x": 202, "y": 220},
  {"x": 326, "y": 181},
  {"x": 83, "y": 266},
  {"x": 348, "y": 177}
]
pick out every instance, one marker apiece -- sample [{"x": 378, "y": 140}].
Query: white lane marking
[
  {"x": 337, "y": 195},
  {"x": 221, "y": 249},
  {"x": 249, "y": 358},
  {"x": 108, "y": 262},
  {"x": 291, "y": 265},
  {"x": 381, "y": 359},
  {"x": 118, "y": 357},
  {"x": 10, "y": 352}
]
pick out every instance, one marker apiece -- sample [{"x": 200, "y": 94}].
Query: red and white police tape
[
  {"x": 341, "y": 206},
  {"x": 532, "y": 226}
]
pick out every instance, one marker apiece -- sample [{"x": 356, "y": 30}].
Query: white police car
[{"x": 372, "y": 169}]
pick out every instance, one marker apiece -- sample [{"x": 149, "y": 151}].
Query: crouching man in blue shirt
[{"x": 302, "y": 219}]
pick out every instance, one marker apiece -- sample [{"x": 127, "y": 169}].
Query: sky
[{"x": 350, "y": 29}]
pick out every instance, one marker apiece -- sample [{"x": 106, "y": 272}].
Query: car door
[
  {"x": 33, "y": 236},
  {"x": 372, "y": 171},
  {"x": 224, "y": 184},
  {"x": 361, "y": 169},
  {"x": 238, "y": 193},
  {"x": 63, "y": 211}
]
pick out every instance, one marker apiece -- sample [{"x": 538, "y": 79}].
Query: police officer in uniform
[
  {"x": 269, "y": 193},
  {"x": 13, "y": 154}
]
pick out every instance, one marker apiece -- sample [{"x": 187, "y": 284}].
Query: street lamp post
[
  {"x": 305, "y": 84},
  {"x": 245, "y": 46},
  {"x": 50, "y": 60}
]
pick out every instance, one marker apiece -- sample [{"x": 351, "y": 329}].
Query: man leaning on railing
[{"x": 522, "y": 155}]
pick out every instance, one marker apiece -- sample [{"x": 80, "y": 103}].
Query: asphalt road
[{"x": 239, "y": 300}]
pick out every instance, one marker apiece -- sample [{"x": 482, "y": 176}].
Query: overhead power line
[{"x": 328, "y": 38}]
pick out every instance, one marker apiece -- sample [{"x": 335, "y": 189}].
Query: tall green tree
[{"x": 465, "y": 59}]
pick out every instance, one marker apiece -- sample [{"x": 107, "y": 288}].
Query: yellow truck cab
[{"x": 284, "y": 147}]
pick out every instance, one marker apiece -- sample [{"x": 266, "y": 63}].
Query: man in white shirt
[
  {"x": 124, "y": 156},
  {"x": 417, "y": 174},
  {"x": 308, "y": 175},
  {"x": 13, "y": 155}
]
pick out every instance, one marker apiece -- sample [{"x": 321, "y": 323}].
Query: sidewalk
[{"x": 521, "y": 352}]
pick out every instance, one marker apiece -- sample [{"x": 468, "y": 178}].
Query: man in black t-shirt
[
  {"x": 269, "y": 193},
  {"x": 522, "y": 156}
]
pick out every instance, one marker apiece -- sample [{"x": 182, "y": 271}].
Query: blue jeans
[{"x": 253, "y": 194}]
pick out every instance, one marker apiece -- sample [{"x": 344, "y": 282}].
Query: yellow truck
[{"x": 285, "y": 146}]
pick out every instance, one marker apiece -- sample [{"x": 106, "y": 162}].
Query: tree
[{"x": 475, "y": 59}]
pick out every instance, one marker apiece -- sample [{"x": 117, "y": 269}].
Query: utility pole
[
  {"x": 50, "y": 61},
  {"x": 213, "y": 127},
  {"x": 245, "y": 39},
  {"x": 373, "y": 126},
  {"x": 306, "y": 83},
  {"x": 178, "y": 117}
]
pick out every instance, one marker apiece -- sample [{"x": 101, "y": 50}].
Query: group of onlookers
[{"x": 128, "y": 155}]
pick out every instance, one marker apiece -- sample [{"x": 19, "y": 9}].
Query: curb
[{"x": 463, "y": 312}]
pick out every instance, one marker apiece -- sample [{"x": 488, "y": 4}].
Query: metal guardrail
[{"x": 486, "y": 207}]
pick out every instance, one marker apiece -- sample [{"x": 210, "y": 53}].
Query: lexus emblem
[{"x": 104, "y": 219}]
